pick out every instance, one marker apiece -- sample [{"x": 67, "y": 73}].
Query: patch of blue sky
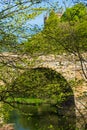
[
  {"x": 58, "y": 4},
  {"x": 39, "y": 20}
]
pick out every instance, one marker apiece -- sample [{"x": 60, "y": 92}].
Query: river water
[{"x": 40, "y": 118}]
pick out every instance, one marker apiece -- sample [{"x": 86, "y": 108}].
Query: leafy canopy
[{"x": 75, "y": 14}]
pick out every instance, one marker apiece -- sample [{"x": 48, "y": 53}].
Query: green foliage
[
  {"x": 73, "y": 38},
  {"x": 42, "y": 43},
  {"x": 14, "y": 16},
  {"x": 42, "y": 83},
  {"x": 4, "y": 113},
  {"x": 81, "y": 35},
  {"x": 59, "y": 35},
  {"x": 26, "y": 100},
  {"x": 39, "y": 44},
  {"x": 8, "y": 42},
  {"x": 75, "y": 14},
  {"x": 52, "y": 20}
]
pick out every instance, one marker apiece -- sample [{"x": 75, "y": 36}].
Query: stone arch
[{"x": 50, "y": 86}]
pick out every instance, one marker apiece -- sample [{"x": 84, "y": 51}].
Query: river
[{"x": 40, "y": 118}]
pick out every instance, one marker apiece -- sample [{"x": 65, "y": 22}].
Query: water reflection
[{"x": 43, "y": 118}]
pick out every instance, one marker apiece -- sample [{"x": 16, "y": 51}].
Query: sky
[
  {"x": 45, "y": 3},
  {"x": 40, "y": 19}
]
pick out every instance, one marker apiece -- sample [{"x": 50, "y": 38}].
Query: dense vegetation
[
  {"x": 59, "y": 35},
  {"x": 67, "y": 34},
  {"x": 41, "y": 92},
  {"x": 58, "y": 32},
  {"x": 41, "y": 83}
]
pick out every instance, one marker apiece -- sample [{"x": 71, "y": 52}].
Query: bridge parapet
[{"x": 62, "y": 64}]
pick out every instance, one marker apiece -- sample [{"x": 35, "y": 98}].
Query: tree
[
  {"x": 74, "y": 40},
  {"x": 75, "y": 36},
  {"x": 77, "y": 13},
  {"x": 55, "y": 35},
  {"x": 39, "y": 44},
  {"x": 39, "y": 83},
  {"x": 8, "y": 42},
  {"x": 15, "y": 14},
  {"x": 70, "y": 33},
  {"x": 80, "y": 1}
]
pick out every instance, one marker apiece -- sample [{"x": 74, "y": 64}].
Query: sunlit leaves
[
  {"x": 14, "y": 16},
  {"x": 75, "y": 14}
]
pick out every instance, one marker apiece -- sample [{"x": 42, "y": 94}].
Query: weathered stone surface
[{"x": 7, "y": 127}]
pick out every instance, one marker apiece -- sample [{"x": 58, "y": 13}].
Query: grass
[{"x": 26, "y": 100}]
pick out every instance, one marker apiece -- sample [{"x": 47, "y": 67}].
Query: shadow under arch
[{"x": 51, "y": 87}]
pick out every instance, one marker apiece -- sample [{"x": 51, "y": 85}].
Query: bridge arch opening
[{"x": 52, "y": 90}]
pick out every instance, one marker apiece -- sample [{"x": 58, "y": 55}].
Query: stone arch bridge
[
  {"x": 70, "y": 69},
  {"x": 65, "y": 65}
]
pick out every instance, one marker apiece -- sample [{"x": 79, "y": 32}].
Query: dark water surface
[{"x": 42, "y": 118}]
